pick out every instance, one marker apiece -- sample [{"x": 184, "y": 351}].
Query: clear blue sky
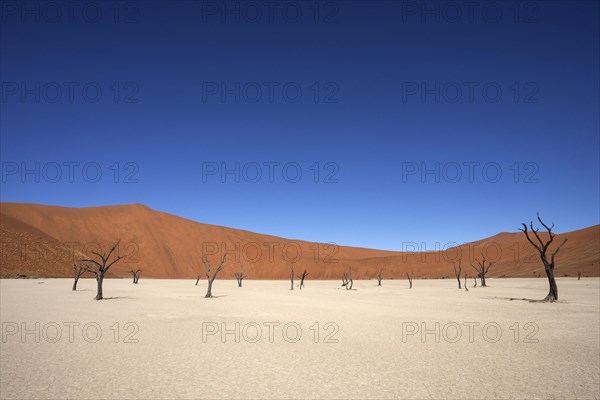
[{"x": 517, "y": 92}]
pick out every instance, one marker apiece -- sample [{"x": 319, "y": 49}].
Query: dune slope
[{"x": 45, "y": 241}]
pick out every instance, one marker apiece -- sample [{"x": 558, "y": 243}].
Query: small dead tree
[
  {"x": 302, "y": 277},
  {"x": 542, "y": 248},
  {"x": 481, "y": 269},
  {"x": 466, "y": 288},
  {"x": 239, "y": 276},
  {"x": 347, "y": 280},
  {"x": 457, "y": 273},
  {"x": 101, "y": 267},
  {"x": 78, "y": 270},
  {"x": 136, "y": 275},
  {"x": 379, "y": 277},
  {"x": 409, "y": 275},
  {"x": 211, "y": 278},
  {"x": 578, "y": 276},
  {"x": 292, "y": 277}
]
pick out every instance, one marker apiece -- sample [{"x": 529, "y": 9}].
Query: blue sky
[{"x": 500, "y": 101}]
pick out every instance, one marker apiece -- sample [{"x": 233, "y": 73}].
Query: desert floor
[{"x": 163, "y": 339}]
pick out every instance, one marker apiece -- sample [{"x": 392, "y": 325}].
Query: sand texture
[{"x": 162, "y": 339}]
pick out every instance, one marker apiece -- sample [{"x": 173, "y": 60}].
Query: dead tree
[
  {"x": 466, "y": 288},
  {"x": 211, "y": 278},
  {"x": 379, "y": 278},
  {"x": 543, "y": 249},
  {"x": 481, "y": 270},
  {"x": 136, "y": 275},
  {"x": 578, "y": 276},
  {"x": 100, "y": 268},
  {"x": 292, "y": 277},
  {"x": 239, "y": 276},
  {"x": 302, "y": 277},
  {"x": 78, "y": 270},
  {"x": 409, "y": 275},
  {"x": 347, "y": 280},
  {"x": 457, "y": 273}
]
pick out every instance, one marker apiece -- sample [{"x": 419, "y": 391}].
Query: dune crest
[{"x": 44, "y": 241}]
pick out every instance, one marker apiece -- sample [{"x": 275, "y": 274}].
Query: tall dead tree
[
  {"x": 239, "y": 276},
  {"x": 409, "y": 275},
  {"x": 542, "y": 248},
  {"x": 211, "y": 278},
  {"x": 379, "y": 277},
  {"x": 136, "y": 275},
  {"x": 292, "y": 277},
  {"x": 78, "y": 270},
  {"x": 481, "y": 269},
  {"x": 347, "y": 280},
  {"x": 466, "y": 288},
  {"x": 100, "y": 267},
  {"x": 457, "y": 273},
  {"x": 302, "y": 277}
]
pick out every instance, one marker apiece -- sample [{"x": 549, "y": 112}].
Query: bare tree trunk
[
  {"x": 410, "y": 279},
  {"x": 78, "y": 270},
  {"x": 239, "y": 276},
  {"x": 379, "y": 277},
  {"x": 466, "y": 288},
  {"x": 135, "y": 276},
  {"x": 292, "y": 277},
  {"x": 457, "y": 273},
  {"x": 578, "y": 275},
  {"x": 99, "y": 280},
  {"x": 210, "y": 278},
  {"x": 209, "y": 290},
  {"x": 553, "y": 292},
  {"x": 197, "y": 280},
  {"x": 481, "y": 269},
  {"x": 347, "y": 280},
  {"x": 474, "y": 282},
  {"x": 302, "y": 277}
]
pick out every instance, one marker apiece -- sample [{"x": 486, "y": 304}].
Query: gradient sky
[{"x": 367, "y": 114}]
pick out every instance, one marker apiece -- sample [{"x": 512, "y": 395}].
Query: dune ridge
[{"x": 45, "y": 241}]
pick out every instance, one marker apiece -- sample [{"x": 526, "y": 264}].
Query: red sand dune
[{"x": 44, "y": 241}]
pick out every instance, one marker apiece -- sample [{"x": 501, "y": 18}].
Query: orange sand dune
[{"x": 44, "y": 241}]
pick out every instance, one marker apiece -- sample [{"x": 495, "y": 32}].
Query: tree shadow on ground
[
  {"x": 117, "y": 298},
  {"x": 526, "y": 299}
]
